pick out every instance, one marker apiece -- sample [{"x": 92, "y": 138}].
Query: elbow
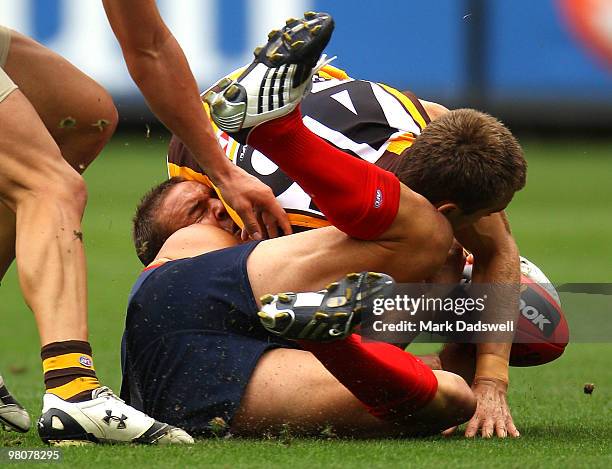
[
  {"x": 140, "y": 63},
  {"x": 143, "y": 55}
]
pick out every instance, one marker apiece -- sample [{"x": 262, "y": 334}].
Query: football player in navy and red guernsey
[{"x": 379, "y": 124}]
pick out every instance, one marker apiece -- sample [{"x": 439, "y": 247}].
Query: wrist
[
  {"x": 211, "y": 157},
  {"x": 496, "y": 383},
  {"x": 221, "y": 172},
  {"x": 491, "y": 367}
]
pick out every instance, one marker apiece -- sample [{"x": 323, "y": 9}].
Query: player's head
[
  {"x": 466, "y": 163},
  {"x": 170, "y": 206}
]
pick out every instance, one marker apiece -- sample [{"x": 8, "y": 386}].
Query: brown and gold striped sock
[{"x": 69, "y": 370}]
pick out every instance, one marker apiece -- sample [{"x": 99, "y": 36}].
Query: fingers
[
  {"x": 268, "y": 216},
  {"x": 283, "y": 222},
  {"x": 263, "y": 225},
  {"x": 269, "y": 222},
  {"x": 487, "y": 428},
  {"x": 255, "y": 204},
  {"x": 449, "y": 431},
  {"x": 512, "y": 430},
  {"x": 251, "y": 224},
  {"x": 481, "y": 422},
  {"x": 500, "y": 428},
  {"x": 276, "y": 216},
  {"x": 472, "y": 427},
  {"x": 492, "y": 417}
]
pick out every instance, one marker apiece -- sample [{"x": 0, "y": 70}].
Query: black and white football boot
[
  {"x": 12, "y": 414},
  {"x": 326, "y": 315},
  {"x": 277, "y": 79},
  {"x": 103, "y": 419}
]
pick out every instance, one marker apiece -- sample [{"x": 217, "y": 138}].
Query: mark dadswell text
[{"x": 442, "y": 327}]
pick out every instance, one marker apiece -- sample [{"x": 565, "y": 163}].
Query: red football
[{"x": 542, "y": 331}]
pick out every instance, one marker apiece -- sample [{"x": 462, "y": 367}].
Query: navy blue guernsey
[{"x": 192, "y": 339}]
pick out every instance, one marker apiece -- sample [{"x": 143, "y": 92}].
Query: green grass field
[{"x": 562, "y": 222}]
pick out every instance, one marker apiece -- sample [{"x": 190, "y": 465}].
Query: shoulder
[{"x": 194, "y": 240}]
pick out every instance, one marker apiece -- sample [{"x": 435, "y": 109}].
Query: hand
[
  {"x": 492, "y": 414},
  {"x": 255, "y": 204}
]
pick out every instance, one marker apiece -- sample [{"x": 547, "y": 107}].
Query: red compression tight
[
  {"x": 356, "y": 196},
  {"x": 380, "y": 375}
]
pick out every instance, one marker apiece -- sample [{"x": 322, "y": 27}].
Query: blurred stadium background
[{"x": 539, "y": 65}]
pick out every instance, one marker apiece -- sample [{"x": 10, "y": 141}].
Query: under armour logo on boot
[{"x": 120, "y": 420}]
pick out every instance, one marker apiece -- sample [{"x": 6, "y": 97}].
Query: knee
[
  {"x": 457, "y": 397},
  {"x": 108, "y": 112},
  {"x": 74, "y": 190},
  {"x": 94, "y": 125},
  {"x": 102, "y": 118},
  {"x": 464, "y": 399},
  {"x": 57, "y": 182}
]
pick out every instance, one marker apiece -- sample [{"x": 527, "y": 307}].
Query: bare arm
[
  {"x": 158, "y": 66},
  {"x": 496, "y": 261}
]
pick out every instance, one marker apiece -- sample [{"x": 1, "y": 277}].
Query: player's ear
[
  {"x": 448, "y": 209},
  {"x": 218, "y": 209}
]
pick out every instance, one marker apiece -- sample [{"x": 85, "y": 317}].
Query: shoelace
[
  {"x": 322, "y": 62},
  {"x": 106, "y": 392}
]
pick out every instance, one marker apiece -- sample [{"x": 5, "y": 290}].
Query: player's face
[{"x": 190, "y": 202}]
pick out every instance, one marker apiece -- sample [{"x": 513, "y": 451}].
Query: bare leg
[
  {"x": 78, "y": 113},
  {"x": 7, "y": 238},
  {"x": 59, "y": 92},
  {"x": 291, "y": 387},
  {"x": 48, "y": 197},
  {"x": 321, "y": 256}
]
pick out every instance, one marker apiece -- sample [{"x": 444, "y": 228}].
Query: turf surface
[{"x": 561, "y": 220}]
